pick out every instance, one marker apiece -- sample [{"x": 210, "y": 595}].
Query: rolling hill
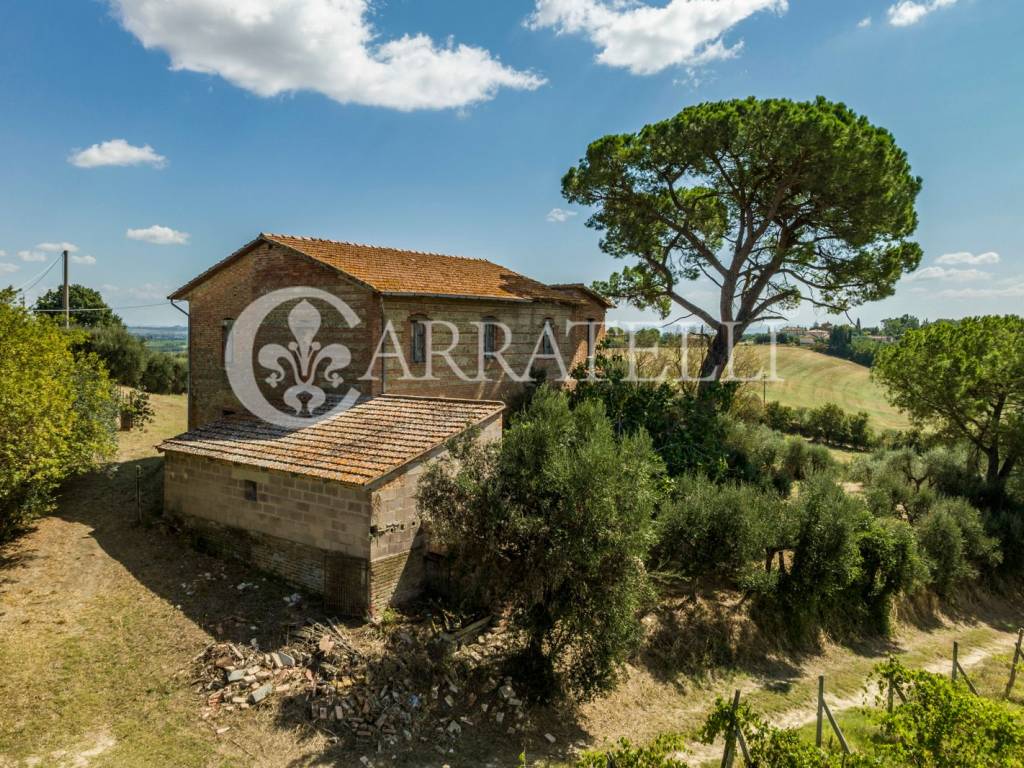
[{"x": 810, "y": 379}]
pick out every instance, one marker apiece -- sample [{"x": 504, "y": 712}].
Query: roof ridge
[{"x": 308, "y": 238}]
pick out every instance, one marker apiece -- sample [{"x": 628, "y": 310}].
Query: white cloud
[
  {"x": 943, "y": 273},
  {"x": 149, "y": 291},
  {"x": 1009, "y": 290},
  {"x": 907, "y": 12},
  {"x": 42, "y": 250},
  {"x": 271, "y": 47},
  {"x": 559, "y": 215},
  {"x": 57, "y": 247},
  {"x": 3, "y": 253},
  {"x": 864, "y": 23},
  {"x": 116, "y": 152},
  {"x": 966, "y": 257},
  {"x": 86, "y": 260},
  {"x": 646, "y": 39},
  {"x": 158, "y": 235},
  {"x": 7, "y": 269}
]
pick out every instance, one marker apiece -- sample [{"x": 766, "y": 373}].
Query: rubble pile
[{"x": 421, "y": 685}]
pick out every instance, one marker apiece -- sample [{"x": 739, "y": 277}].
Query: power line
[
  {"x": 105, "y": 309},
  {"x": 43, "y": 274}
]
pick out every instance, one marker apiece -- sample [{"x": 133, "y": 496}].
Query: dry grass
[{"x": 100, "y": 618}]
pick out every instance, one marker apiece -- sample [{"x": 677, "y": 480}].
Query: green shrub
[
  {"x": 848, "y": 566},
  {"x": 780, "y": 417},
  {"x": 165, "y": 374},
  {"x": 769, "y": 746},
  {"x": 762, "y": 456},
  {"x": 826, "y": 557},
  {"x": 827, "y": 424},
  {"x": 858, "y": 430},
  {"x": 891, "y": 564},
  {"x": 687, "y": 431},
  {"x": 123, "y": 354},
  {"x": 720, "y": 529},
  {"x": 943, "y": 725},
  {"x": 952, "y": 471},
  {"x": 956, "y": 547},
  {"x": 662, "y": 752},
  {"x": 555, "y": 522},
  {"x": 57, "y": 415}
]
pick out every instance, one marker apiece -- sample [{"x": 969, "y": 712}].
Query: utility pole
[{"x": 67, "y": 304}]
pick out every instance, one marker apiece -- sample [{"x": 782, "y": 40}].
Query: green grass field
[{"x": 810, "y": 379}]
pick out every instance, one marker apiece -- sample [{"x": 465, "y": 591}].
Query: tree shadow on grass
[
  {"x": 14, "y": 555},
  {"x": 204, "y": 588},
  {"x": 128, "y": 527}
]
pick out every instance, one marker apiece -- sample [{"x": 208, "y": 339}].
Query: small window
[
  {"x": 225, "y": 334},
  {"x": 251, "y": 493},
  {"x": 419, "y": 341},
  {"x": 490, "y": 336},
  {"x": 591, "y": 336},
  {"x": 546, "y": 347}
]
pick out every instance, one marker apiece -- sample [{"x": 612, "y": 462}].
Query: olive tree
[
  {"x": 774, "y": 201},
  {"x": 554, "y": 524}
]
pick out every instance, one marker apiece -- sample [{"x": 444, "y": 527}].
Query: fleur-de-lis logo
[
  {"x": 299, "y": 363},
  {"x": 304, "y": 356}
]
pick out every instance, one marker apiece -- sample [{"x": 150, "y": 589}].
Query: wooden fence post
[
  {"x": 1016, "y": 658},
  {"x": 821, "y": 710},
  {"x": 958, "y": 670},
  {"x": 730, "y": 737},
  {"x": 824, "y": 710}
]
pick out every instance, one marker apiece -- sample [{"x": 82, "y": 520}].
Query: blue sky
[{"x": 447, "y": 125}]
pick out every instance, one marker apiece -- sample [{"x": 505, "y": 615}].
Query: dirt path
[{"x": 805, "y": 712}]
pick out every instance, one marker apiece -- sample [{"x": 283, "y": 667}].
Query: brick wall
[
  {"x": 298, "y": 564},
  {"x": 225, "y": 294},
  {"x": 398, "y": 539},
  {"x": 269, "y": 267}
]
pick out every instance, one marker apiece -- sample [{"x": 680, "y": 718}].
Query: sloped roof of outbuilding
[{"x": 357, "y": 447}]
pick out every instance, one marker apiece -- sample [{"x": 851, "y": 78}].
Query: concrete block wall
[
  {"x": 318, "y": 513},
  {"x": 362, "y": 548}
]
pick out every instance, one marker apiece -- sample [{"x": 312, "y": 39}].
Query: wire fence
[{"x": 825, "y": 716}]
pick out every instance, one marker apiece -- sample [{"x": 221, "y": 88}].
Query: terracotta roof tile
[
  {"x": 355, "y": 447},
  {"x": 398, "y": 272}
]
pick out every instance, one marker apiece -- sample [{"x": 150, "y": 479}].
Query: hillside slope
[{"x": 811, "y": 379}]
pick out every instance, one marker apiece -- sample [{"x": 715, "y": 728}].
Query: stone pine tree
[{"x": 774, "y": 201}]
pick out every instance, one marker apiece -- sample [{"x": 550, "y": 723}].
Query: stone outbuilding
[{"x": 331, "y": 507}]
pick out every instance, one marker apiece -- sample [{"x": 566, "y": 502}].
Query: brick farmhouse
[{"x": 331, "y": 506}]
